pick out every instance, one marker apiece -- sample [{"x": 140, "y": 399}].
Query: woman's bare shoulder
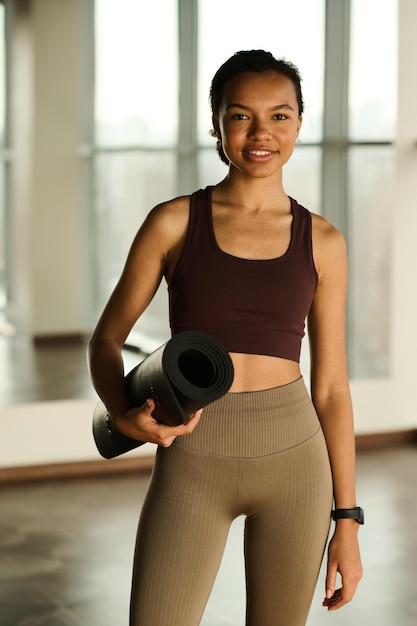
[
  {"x": 324, "y": 229},
  {"x": 165, "y": 225},
  {"x": 329, "y": 246},
  {"x": 162, "y": 235},
  {"x": 172, "y": 214},
  {"x": 325, "y": 235}
]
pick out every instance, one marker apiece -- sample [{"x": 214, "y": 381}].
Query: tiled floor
[
  {"x": 66, "y": 551},
  {"x": 66, "y": 546}
]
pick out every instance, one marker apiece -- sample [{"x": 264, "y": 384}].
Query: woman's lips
[{"x": 259, "y": 154}]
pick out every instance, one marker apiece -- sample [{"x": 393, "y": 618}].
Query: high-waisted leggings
[{"x": 259, "y": 454}]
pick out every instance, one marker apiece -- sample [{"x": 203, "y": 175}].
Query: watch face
[{"x": 361, "y": 515}]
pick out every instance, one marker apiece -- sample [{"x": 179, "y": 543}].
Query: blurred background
[{"x": 103, "y": 114}]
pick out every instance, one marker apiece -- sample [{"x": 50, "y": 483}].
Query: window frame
[{"x": 335, "y": 144}]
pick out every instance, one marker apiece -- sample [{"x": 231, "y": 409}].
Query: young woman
[{"x": 247, "y": 264}]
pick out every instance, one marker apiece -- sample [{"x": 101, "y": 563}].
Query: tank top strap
[
  {"x": 200, "y": 215},
  {"x": 196, "y": 241},
  {"x": 302, "y": 230},
  {"x": 200, "y": 222},
  {"x": 214, "y": 292}
]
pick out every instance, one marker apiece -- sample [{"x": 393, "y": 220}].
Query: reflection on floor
[
  {"x": 66, "y": 551},
  {"x": 50, "y": 370}
]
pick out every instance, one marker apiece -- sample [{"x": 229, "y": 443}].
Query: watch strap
[{"x": 356, "y": 514}]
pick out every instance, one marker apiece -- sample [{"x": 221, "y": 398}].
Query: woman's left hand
[{"x": 343, "y": 558}]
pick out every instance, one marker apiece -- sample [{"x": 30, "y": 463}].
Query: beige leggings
[{"x": 259, "y": 454}]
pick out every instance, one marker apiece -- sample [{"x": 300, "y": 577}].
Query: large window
[
  {"x": 151, "y": 136},
  {"x": 135, "y": 135},
  {"x": 294, "y": 31},
  {"x": 372, "y": 121}
]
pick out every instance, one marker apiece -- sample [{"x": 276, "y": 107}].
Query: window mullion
[
  {"x": 187, "y": 94},
  {"x": 335, "y": 127},
  {"x": 335, "y": 114}
]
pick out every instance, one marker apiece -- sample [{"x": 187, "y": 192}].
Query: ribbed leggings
[{"x": 259, "y": 454}]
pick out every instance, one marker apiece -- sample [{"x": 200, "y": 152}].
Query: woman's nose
[{"x": 259, "y": 128}]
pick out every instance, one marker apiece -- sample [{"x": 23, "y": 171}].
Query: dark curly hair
[{"x": 250, "y": 61}]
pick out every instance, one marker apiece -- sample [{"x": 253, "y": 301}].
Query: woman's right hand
[{"x": 139, "y": 423}]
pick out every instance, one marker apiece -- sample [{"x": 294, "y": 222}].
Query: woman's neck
[{"x": 251, "y": 192}]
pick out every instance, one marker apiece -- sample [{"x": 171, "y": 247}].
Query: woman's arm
[
  {"x": 331, "y": 397},
  {"x": 153, "y": 254}
]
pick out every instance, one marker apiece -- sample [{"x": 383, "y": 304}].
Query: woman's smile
[
  {"x": 258, "y": 122},
  {"x": 259, "y": 155}
]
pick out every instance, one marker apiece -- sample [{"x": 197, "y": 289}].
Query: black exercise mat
[{"x": 185, "y": 374}]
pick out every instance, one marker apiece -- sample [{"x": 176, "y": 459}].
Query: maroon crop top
[{"x": 250, "y": 306}]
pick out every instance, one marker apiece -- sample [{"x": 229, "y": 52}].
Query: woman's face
[{"x": 258, "y": 122}]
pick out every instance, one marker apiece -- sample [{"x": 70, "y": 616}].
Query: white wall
[
  {"x": 42, "y": 433},
  {"x": 46, "y": 103}
]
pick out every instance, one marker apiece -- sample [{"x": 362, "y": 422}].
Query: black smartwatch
[{"x": 356, "y": 514}]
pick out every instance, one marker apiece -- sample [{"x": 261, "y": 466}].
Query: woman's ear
[{"x": 216, "y": 128}]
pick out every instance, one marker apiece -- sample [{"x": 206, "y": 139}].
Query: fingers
[
  {"x": 148, "y": 406},
  {"x": 343, "y": 559},
  {"x": 169, "y": 433},
  {"x": 330, "y": 584},
  {"x": 147, "y": 428},
  {"x": 192, "y": 421},
  {"x": 336, "y": 598},
  {"x": 340, "y": 597}
]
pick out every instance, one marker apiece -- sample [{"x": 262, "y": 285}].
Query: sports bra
[{"x": 251, "y": 306}]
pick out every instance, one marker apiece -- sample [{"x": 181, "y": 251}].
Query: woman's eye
[
  {"x": 239, "y": 116},
  {"x": 280, "y": 116}
]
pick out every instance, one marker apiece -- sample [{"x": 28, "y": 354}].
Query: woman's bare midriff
[{"x": 254, "y": 372}]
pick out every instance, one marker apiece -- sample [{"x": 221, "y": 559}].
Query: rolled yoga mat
[{"x": 185, "y": 374}]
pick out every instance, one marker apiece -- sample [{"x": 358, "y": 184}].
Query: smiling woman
[
  {"x": 258, "y": 120},
  {"x": 151, "y": 133},
  {"x": 246, "y": 264}
]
